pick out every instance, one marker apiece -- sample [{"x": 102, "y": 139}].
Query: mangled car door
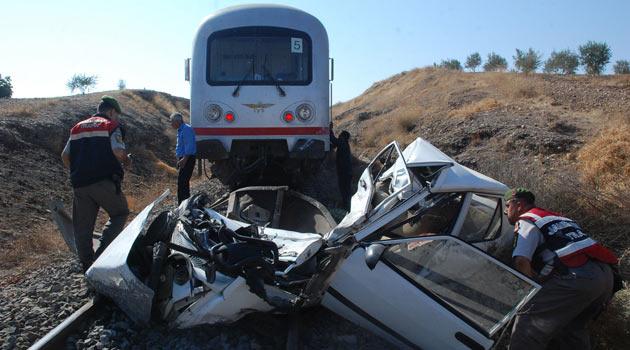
[
  {"x": 433, "y": 292},
  {"x": 382, "y": 184}
]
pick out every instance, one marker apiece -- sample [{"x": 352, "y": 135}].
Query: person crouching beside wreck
[
  {"x": 574, "y": 270},
  {"x": 95, "y": 153}
]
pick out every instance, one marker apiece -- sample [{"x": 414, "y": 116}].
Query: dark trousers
[
  {"x": 344, "y": 180},
  {"x": 557, "y": 317},
  {"x": 183, "y": 179},
  {"x": 86, "y": 203}
]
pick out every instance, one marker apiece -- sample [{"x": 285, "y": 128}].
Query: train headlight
[
  {"x": 304, "y": 112},
  {"x": 229, "y": 117},
  {"x": 214, "y": 112}
]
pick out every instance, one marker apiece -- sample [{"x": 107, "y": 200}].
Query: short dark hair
[
  {"x": 522, "y": 194},
  {"x": 344, "y": 134},
  {"x": 176, "y": 117},
  {"x": 104, "y": 107}
]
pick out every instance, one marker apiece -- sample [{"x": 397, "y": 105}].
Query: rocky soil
[
  {"x": 33, "y": 303},
  {"x": 39, "y": 301},
  {"x": 33, "y": 133},
  {"x": 513, "y": 128},
  {"x": 46, "y": 296}
]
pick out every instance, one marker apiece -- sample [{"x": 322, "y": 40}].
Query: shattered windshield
[{"x": 462, "y": 279}]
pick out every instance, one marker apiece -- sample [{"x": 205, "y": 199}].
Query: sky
[{"x": 145, "y": 43}]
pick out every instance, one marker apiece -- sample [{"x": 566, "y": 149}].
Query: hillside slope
[
  {"x": 535, "y": 130},
  {"x": 566, "y": 138},
  {"x": 33, "y": 133}
]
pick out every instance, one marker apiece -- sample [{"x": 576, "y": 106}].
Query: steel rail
[{"x": 56, "y": 338}]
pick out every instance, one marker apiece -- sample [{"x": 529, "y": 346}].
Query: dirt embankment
[
  {"x": 33, "y": 133},
  {"x": 565, "y": 137},
  {"x": 562, "y": 136}
]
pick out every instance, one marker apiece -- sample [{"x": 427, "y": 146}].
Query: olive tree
[
  {"x": 594, "y": 56},
  {"x": 527, "y": 61},
  {"x": 563, "y": 62},
  {"x": 82, "y": 82},
  {"x": 6, "y": 88},
  {"x": 622, "y": 67},
  {"x": 495, "y": 63},
  {"x": 452, "y": 64},
  {"x": 473, "y": 61}
]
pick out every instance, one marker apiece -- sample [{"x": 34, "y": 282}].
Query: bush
[
  {"x": 81, "y": 82},
  {"x": 495, "y": 63},
  {"x": 6, "y": 89},
  {"x": 564, "y": 62},
  {"x": 622, "y": 67},
  {"x": 594, "y": 56},
  {"x": 473, "y": 61},
  {"x": 451, "y": 64},
  {"x": 527, "y": 62}
]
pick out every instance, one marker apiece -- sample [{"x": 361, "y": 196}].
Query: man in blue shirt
[{"x": 185, "y": 151}]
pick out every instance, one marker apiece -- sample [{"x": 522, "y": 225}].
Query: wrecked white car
[{"x": 416, "y": 260}]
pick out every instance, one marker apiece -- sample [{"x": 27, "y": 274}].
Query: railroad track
[
  {"x": 79, "y": 320},
  {"x": 76, "y": 323},
  {"x": 56, "y": 338}
]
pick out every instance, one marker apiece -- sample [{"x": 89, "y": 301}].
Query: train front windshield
[{"x": 259, "y": 56}]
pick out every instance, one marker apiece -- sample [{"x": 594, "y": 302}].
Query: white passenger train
[{"x": 260, "y": 88}]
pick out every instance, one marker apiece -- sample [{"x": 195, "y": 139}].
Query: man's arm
[
  {"x": 527, "y": 240},
  {"x": 119, "y": 149},
  {"x": 182, "y": 162},
  {"x": 65, "y": 155},
  {"x": 524, "y": 266},
  {"x": 122, "y": 156}
]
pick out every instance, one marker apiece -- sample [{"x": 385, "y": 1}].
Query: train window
[{"x": 259, "y": 56}]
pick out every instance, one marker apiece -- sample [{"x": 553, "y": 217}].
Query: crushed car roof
[{"x": 456, "y": 177}]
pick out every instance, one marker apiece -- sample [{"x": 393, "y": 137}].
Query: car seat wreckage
[
  {"x": 196, "y": 247},
  {"x": 278, "y": 250}
]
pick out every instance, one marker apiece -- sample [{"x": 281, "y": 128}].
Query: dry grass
[
  {"x": 19, "y": 111},
  {"x": 153, "y": 103},
  {"x": 429, "y": 94},
  {"x": 136, "y": 102},
  {"x": 406, "y": 123},
  {"x": 612, "y": 328},
  {"x": 149, "y": 176},
  {"x": 157, "y": 165},
  {"x": 513, "y": 87},
  {"x": 164, "y": 104},
  {"x": 45, "y": 242},
  {"x": 603, "y": 216},
  {"x": 605, "y": 161},
  {"x": 146, "y": 194},
  {"x": 487, "y": 104},
  {"x": 169, "y": 170},
  {"x": 27, "y": 108},
  {"x": 374, "y": 135},
  {"x": 591, "y": 185},
  {"x": 27, "y": 250}
]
